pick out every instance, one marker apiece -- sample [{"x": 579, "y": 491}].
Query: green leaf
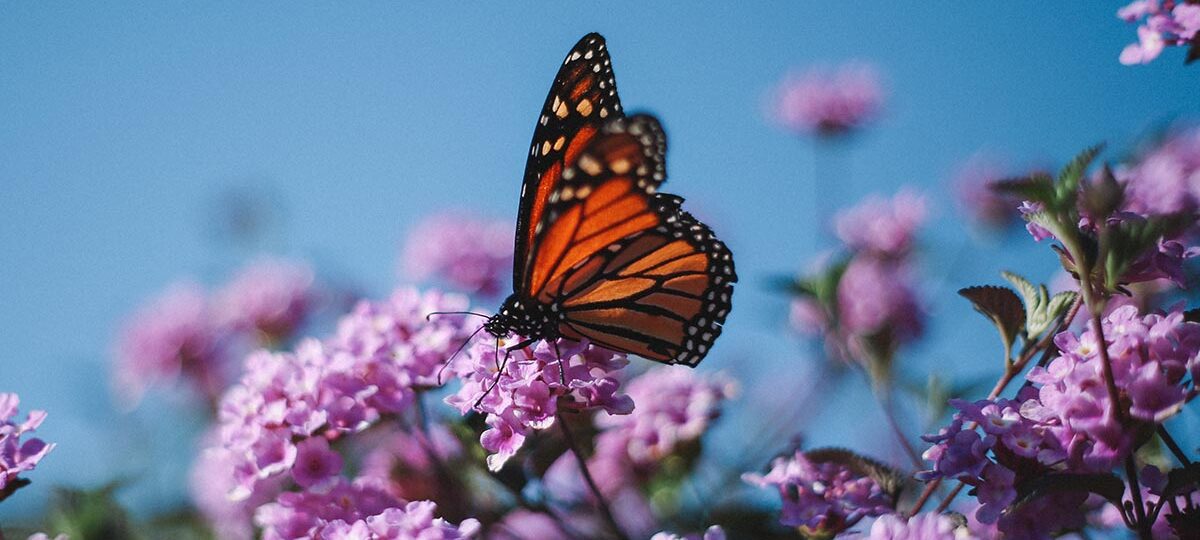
[
  {"x": 1037, "y": 187},
  {"x": 1002, "y": 306},
  {"x": 1106, "y": 485},
  {"x": 1040, "y": 309},
  {"x": 1181, "y": 478},
  {"x": 1059, "y": 304},
  {"x": 791, "y": 285},
  {"x": 888, "y": 478},
  {"x": 1071, "y": 176}
]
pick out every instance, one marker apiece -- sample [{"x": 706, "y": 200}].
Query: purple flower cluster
[
  {"x": 675, "y": 406},
  {"x": 1165, "y": 23},
  {"x": 271, "y": 297},
  {"x": 1012, "y": 449},
  {"x": 279, "y": 418},
  {"x": 1165, "y": 179},
  {"x": 876, "y": 298},
  {"x": 409, "y": 462},
  {"x": 17, "y": 456},
  {"x": 469, "y": 253},
  {"x": 186, "y": 333},
  {"x": 924, "y": 526},
  {"x": 174, "y": 334},
  {"x": 359, "y": 510},
  {"x": 977, "y": 198},
  {"x": 1150, "y": 357},
  {"x": 828, "y": 102},
  {"x": 712, "y": 533},
  {"x": 523, "y": 390},
  {"x": 1066, "y": 422},
  {"x": 824, "y": 497},
  {"x": 884, "y": 228}
]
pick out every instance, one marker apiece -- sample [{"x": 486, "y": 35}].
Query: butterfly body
[{"x": 600, "y": 253}]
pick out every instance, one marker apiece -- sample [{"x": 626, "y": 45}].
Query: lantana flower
[{"x": 828, "y": 103}]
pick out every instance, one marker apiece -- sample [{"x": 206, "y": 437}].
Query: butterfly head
[{"x": 523, "y": 317}]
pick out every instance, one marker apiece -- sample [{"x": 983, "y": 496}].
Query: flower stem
[
  {"x": 949, "y": 498},
  {"x": 1173, "y": 446},
  {"x": 1139, "y": 508},
  {"x": 889, "y": 411},
  {"x": 587, "y": 477}
]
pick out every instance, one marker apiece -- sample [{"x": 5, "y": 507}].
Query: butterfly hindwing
[
  {"x": 627, "y": 268},
  {"x": 582, "y": 98}
]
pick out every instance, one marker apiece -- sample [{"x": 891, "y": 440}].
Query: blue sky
[{"x": 123, "y": 126}]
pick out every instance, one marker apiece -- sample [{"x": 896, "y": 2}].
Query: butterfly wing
[
  {"x": 626, "y": 267},
  {"x": 582, "y": 98}
]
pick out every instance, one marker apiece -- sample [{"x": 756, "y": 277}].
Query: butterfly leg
[
  {"x": 501, "y": 365},
  {"x": 562, "y": 368}
]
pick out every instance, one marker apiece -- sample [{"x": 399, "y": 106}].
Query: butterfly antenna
[
  {"x": 430, "y": 315},
  {"x": 446, "y": 364}
]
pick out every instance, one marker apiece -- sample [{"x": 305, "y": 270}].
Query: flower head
[
  {"x": 467, "y": 252},
  {"x": 829, "y": 102},
  {"x": 876, "y": 296},
  {"x": 884, "y": 227},
  {"x": 171, "y": 335},
  {"x": 270, "y": 298},
  {"x": 1169, "y": 23},
  {"x": 923, "y": 526},
  {"x": 17, "y": 456},
  {"x": 274, "y": 418},
  {"x": 359, "y": 509},
  {"x": 522, "y": 390},
  {"x": 675, "y": 406},
  {"x": 712, "y": 533},
  {"x": 825, "y": 497}
]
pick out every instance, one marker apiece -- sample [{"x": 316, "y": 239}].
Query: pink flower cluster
[
  {"x": 1165, "y": 179},
  {"x": 409, "y": 463},
  {"x": 1166, "y": 23},
  {"x": 924, "y": 526},
  {"x": 522, "y": 391},
  {"x": 17, "y": 456},
  {"x": 712, "y": 533},
  {"x": 824, "y": 497},
  {"x": 1067, "y": 423},
  {"x": 185, "y": 332},
  {"x": 471, "y": 254},
  {"x": 270, "y": 297},
  {"x": 675, "y": 406},
  {"x": 278, "y": 418},
  {"x": 976, "y": 197},
  {"x": 829, "y": 102},
  {"x": 359, "y": 510},
  {"x": 875, "y": 298},
  {"x": 884, "y": 228},
  {"x": 1150, "y": 357}
]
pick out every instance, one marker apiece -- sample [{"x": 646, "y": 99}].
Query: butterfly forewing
[
  {"x": 626, "y": 267},
  {"x": 582, "y": 98}
]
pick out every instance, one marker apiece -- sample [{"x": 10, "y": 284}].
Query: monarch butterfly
[{"x": 599, "y": 253}]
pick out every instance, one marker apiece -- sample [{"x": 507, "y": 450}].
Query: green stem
[{"x": 587, "y": 477}]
